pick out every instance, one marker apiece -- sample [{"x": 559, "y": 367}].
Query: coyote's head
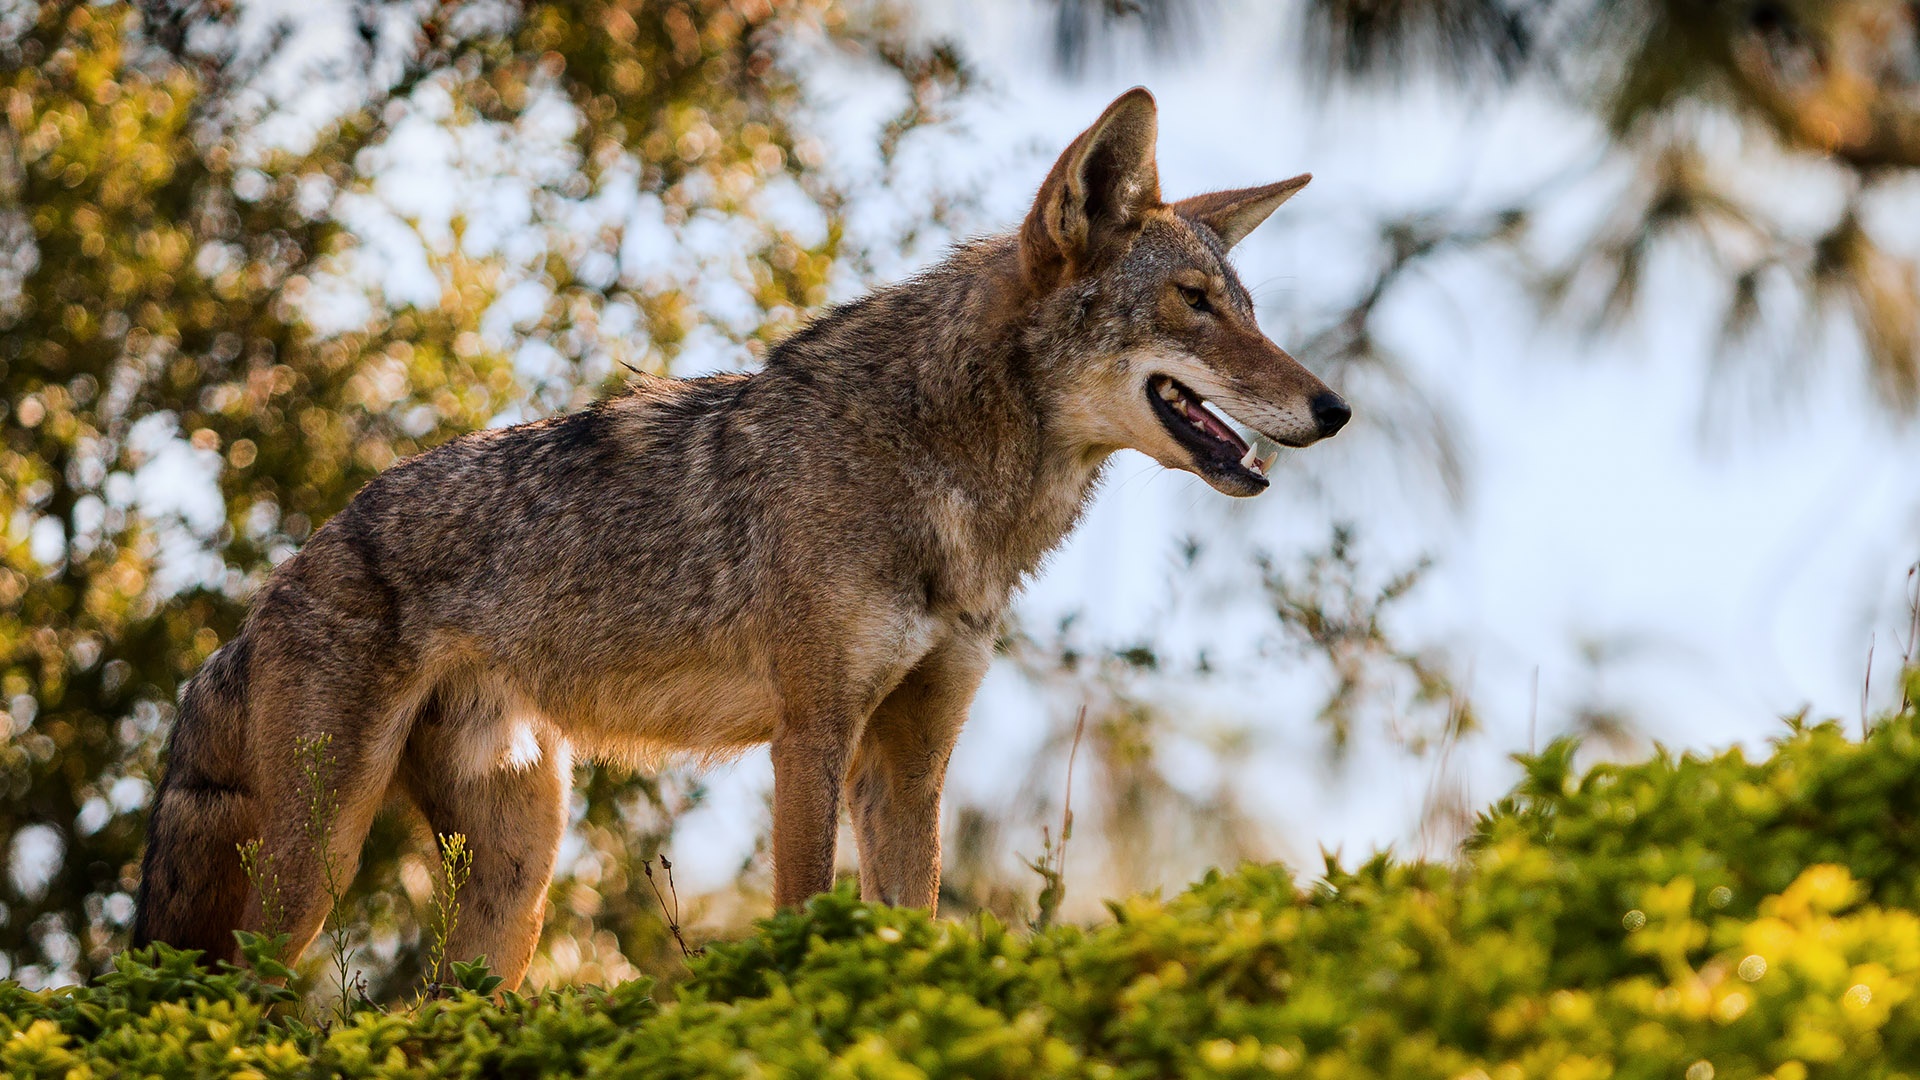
[{"x": 1154, "y": 329}]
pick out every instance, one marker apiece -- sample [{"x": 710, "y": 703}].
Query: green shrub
[{"x": 1686, "y": 917}]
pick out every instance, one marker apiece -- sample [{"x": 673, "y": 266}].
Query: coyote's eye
[{"x": 1195, "y": 298}]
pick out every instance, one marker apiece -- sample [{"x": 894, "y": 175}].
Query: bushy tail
[{"x": 192, "y": 886}]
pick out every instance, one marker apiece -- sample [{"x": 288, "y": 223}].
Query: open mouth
[{"x": 1198, "y": 427}]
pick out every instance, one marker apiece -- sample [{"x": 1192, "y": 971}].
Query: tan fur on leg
[
  {"x": 512, "y": 815},
  {"x": 900, "y": 770}
]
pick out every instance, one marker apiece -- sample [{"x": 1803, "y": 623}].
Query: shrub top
[{"x": 1686, "y": 917}]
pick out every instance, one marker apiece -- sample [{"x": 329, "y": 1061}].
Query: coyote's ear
[
  {"x": 1234, "y": 214},
  {"x": 1099, "y": 189}
]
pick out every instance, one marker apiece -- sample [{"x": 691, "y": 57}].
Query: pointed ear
[
  {"x": 1101, "y": 187},
  {"x": 1234, "y": 214}
]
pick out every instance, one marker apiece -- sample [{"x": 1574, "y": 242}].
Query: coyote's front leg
[
  {"x": 900, "y": 770},
  {"x": 811, "y": 750}
]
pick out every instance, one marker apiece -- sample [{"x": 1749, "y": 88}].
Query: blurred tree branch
[{"x": 1832, "y": 85}]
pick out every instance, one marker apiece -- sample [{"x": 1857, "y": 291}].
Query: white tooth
[
  {"x": 1269, "y": 453},
  {"x": 1168, "y": 393},
  {"x": 1261, "y": 455}
]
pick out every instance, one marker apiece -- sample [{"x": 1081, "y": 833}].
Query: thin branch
[{"x": 671, "y": 915}]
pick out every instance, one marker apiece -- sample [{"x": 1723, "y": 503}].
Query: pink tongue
[{"x": 1215, "y": 428}]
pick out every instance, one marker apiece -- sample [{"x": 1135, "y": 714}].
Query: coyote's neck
[
  {"x": 939, "y": 368},
  {"x": 1024, "y": 480}
]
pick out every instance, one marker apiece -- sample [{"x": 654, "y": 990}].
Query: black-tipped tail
[{"x": 193, "y": 888}]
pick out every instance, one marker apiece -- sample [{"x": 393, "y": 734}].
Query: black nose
[{"x": 1330, "y": 412}]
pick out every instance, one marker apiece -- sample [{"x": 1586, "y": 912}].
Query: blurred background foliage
[
  {"x": 193, "y": 284},
  {"x": 1688, "y": 95}
]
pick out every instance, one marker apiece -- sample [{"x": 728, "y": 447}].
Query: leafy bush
[{"x": 1686, "y": 917}]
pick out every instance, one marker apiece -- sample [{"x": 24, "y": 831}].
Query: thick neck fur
[{"x": 957, "y": 375}]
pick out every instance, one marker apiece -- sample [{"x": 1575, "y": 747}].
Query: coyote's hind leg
[
  {"x": 511, "y": 810},
  {"x": 331, "y": 750}
]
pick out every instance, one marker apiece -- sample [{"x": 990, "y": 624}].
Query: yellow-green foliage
[{"x": 1682, "y": 918}]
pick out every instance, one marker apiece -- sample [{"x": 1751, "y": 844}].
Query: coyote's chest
[{"x": 987, "y": 545}]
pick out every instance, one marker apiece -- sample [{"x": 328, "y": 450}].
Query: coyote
[{"x": 816, "y": 555}]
